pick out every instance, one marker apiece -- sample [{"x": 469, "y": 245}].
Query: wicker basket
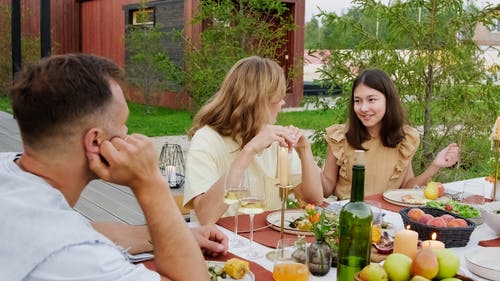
[{"x": 450, "y": 236}]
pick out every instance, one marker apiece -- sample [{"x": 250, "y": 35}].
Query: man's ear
[{"x": 92, "y": 140}]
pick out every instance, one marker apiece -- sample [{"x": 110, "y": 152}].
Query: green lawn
[{"x": 168, "y": 122}]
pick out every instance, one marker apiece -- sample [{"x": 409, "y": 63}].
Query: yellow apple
[
  {"x": 431, "y": 191},
  {"x": 373, "y": 272}
]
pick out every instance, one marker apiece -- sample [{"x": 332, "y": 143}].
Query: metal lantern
[{"x": 172, "y": 164}]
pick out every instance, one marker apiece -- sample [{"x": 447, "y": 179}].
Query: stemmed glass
[
  {"x": 234, "y": 190},
  {"x": 251, "y": 204},
  {"x": 290, "y": 261}
]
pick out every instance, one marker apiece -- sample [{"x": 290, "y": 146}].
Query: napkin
[
  {"x": 490, "y": 243},
  {"x": 263, "y": 233},
  {"x": 260, "y": 272}
]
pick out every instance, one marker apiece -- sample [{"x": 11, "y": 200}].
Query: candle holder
[
  {"x": 496, "y": 153},
  {"x": 172, "y": 164},
  {"x": 284, "y": 191}
]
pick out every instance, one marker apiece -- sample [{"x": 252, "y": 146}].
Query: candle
[
  {"x": 171, "y": 176},
  {"x": 433, "y": 244},
  {"x": 283, "y": 166},
  {"x": 405, "y": 242}
]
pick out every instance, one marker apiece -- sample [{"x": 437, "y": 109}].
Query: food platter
[
  {"x": 220, "y": 264},
  {"x": 484, "y": 262},
  {"x": 274, "y": 220},
  {"x": 395, "y": 196}
]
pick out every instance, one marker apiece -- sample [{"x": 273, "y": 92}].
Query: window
[{"x": 148, "y": 17}]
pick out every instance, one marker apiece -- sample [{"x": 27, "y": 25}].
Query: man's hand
[
  {"x": 210, "y": 239},
  {"x": 131, "y": 161}
]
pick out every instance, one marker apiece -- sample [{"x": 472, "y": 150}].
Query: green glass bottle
[{"x": 355, "y": 224}]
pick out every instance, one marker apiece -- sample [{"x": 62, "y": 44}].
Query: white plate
[
  {"x": 394, "y": 196},
  {"x": 274, "y": 220},
  {"x": 248, "y": 277},
  {"x": 484, "y": 262}
]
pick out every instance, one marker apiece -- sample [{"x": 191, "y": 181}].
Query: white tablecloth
[{"x": 482, "y": 232}]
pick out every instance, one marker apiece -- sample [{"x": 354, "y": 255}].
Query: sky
[{"x": 339, "y": 6}]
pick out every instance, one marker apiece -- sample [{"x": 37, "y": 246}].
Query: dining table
[{"x": 266, "y": 237}]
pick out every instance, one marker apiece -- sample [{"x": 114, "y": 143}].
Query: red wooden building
[{"x": 98, "y": 27}]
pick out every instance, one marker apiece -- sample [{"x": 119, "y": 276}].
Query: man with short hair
[{"x": 71, "y": 113}]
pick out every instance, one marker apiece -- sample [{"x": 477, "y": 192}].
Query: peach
[
  {"x": 425, "y": 264},
  {"x": 447, "y": 218},
  {"x": 437, "y": 222},
  {"x": 415, "y": 213},
  {"x": 457, "y": 223},
  {"x": 425, "y": 218}
]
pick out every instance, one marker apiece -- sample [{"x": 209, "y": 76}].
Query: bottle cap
[{"x": 359, "y": 157}]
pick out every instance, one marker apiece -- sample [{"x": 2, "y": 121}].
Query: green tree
[
  {"x": 312, "y": 34},
  {"x": 440, "y": 76},
  {"x": 232, "y": 30},
  {"x": 148, "y": 66}
]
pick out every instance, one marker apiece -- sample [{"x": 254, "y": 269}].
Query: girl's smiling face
[{"x": 370, "y": 106}]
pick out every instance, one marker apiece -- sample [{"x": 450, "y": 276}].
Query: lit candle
[
  {"x": 433, "y": 244},
  {"x": 405, "y": 242},
  {"x": 283, "y": 165},
  {"x": 171, "y": 175}
]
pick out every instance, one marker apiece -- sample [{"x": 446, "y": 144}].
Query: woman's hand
[
  {"x": 269, "y": 134},
  {"x": 297, "y": 137},
  {"x": 447, "y": 157}
]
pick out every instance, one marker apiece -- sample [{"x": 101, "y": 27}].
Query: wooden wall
[
  {"x": 103, "y": 28},
  {"x": 65, "y": 24}
]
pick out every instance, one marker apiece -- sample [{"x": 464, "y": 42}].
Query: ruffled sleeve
[
  {"x": 335, "y": 137},
  {"x": 406, "y": 151}
]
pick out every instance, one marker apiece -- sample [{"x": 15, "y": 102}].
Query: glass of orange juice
[{"x": 290, "y": 261}]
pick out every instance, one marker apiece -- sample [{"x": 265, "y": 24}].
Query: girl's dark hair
[{"x": 391, "y": 132}]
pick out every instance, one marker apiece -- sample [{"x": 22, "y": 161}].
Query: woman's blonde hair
[{"x": 241, "y": 106}]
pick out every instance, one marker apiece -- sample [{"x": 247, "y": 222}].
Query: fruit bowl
[
  {"x": 491, "y": 213},
  {"x": 450, "y": 236},
  {"x": 458, "y": 276}
]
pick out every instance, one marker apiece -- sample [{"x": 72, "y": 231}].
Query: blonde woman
[{"x": 235, "y": 130}]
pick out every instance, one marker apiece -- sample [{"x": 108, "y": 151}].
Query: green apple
[
  {"x": 373, "y": 272},
  {"x": 451, "y": 279},
  {"x": 398, "y": 266},
  {"x": 419, "y": 278},
  {"x": 449, "y": 262}
]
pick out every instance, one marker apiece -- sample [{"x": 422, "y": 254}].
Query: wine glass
[
  {"x": 234, "y": 190},
  {"x": 290, "y": 261},
  {"x": 252, "y": 203}
]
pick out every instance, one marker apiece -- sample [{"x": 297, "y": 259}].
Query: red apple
[{"x": 440, "y": 189}]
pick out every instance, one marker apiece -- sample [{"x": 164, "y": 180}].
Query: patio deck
[{"x": 100, "y": 200}]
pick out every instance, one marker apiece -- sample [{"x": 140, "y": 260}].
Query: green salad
[{"x": 464, "y": 210}]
